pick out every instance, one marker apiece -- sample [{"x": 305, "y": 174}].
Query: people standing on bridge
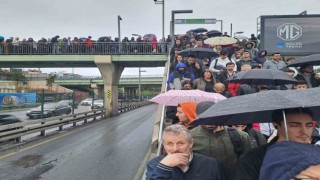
[
  {"x": 193, "y": 66},
  {"x": 245, "y": 59},
  {"x": 89, "y": 44},
  {"x": 275, "y": 63},
  {"x": 307, "y": 74},
  {"x": 178, "y": 76},
  {"x": 180, "y": 162},
  {"x": 301, "y": 84},
  {"x": 261, "y": 57},
  {"x": 250, "y": 47},
  {"x": 186, "y": 113},
  {"x": 230, "y": 71},
  {"x": 175, "y": 49},
  {"x": 178, "y": 59},
  {"x": 220, "y": 88},
  {"x": 54, "y": 44},
  {"x": 221, "y": 142},
  {"x": 232, "y": 86},
  {"x": 206, "y": 82},
  {"x": 257, "y": 139},
  {"x": 300, "y": 126},
  {"x": 219, "y": 65}
]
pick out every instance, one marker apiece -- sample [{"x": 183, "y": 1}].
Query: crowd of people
[
  {"x": 83, "y": 45},
  {"x": 240, "y": 151}
]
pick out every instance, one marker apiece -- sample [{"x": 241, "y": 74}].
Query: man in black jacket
[{"x": 181, "y": 163}]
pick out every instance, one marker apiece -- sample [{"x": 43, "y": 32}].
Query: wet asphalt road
[
  {"x": 22, "y": 114},
  {"x": 108, "y": 149}
]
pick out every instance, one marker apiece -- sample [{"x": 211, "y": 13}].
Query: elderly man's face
[
  {"x": 177, "y": 144},
  {"x": 219, "y": 88},
  {"x": 300, "y": 127}
]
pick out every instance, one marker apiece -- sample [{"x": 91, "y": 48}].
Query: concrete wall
[{"x": 43, "y": 85}]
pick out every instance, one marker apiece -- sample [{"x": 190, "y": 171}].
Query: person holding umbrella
[
  {"x": 300, "y": 125},
  {"x": 225, "y": 144}
]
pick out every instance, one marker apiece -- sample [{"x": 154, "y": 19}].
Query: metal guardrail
[
  {"x": 17, "y": 130},
  {"x": 83, "y": 48}
]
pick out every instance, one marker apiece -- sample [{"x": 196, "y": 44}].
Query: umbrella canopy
[
  {"x": 149, "y": 37},
  {"x": 222, "y": 40},
  {"x": 241, "y": 37},
  {"x": 198, "y": 30},
  {"x": 200, "y": 53},
  {"x": 174, "y": 97},
  {"x": 312, "y": 60},
  {"x": 263, "y": 77},
  {"x": 258, "y": 107},
  {"x": 213, "y": 33}
]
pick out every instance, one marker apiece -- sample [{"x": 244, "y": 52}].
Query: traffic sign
[{"x": 195, "y": 21}]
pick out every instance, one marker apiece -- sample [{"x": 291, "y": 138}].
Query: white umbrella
[{"x": 221, "y": 40}]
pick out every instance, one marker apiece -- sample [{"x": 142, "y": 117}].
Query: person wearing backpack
[
  {"x": 256, "y": 136},
  {"x": 219, "y": 65},
  {"x": 221, "y": 142}
]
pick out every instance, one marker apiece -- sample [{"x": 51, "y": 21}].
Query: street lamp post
[
  {"x": 161, "y": 2},
  {"x": 140, "y": 71},
  {"x": 240, "y": 32},
  {"x": 119, "y": 35},
  {"x": 172, "y": 21}
]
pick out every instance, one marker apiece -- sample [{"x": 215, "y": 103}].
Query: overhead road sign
[{"x": 195, "y": 21}]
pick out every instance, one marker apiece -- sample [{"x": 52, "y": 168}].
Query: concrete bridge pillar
[{"x": 110, "y": 73}]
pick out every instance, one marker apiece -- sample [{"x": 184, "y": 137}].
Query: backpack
[
  {"x": 215, "y": 63},
  {"x": 236, "y": 141},
  {"x": 253, "y": 134}
]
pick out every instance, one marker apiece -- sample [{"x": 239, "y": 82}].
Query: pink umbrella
[{"x": 174, "y": 97}]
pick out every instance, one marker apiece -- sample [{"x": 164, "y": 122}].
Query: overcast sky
[{"x": 81, "y": 18}]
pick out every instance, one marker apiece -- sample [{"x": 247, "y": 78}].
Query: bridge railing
[{"x": 83, "y": 48}]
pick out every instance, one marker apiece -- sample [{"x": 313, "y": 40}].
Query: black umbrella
[
  {"x": 263, "y": 77},
  {"x": 149, "y": 37},
  {"x": 198, "y": 30},
  {"x": 200, "y": 53},
  {"x": 312, "y": 60},
  {"x": 258, "y": 107},
  {"x": 213, "y": 33}
]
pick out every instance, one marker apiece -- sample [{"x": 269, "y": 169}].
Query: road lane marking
[{"x": 44, "y": 142}]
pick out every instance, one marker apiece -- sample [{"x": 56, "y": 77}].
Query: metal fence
[{"x": 83, "y": 48}]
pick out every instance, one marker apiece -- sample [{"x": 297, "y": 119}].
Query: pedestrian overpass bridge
[{"x": 110, "y": 65}]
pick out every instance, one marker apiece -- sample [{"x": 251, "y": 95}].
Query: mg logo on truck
[{"x": 289, "y": 31}]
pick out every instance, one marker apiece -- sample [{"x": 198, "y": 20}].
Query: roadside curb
[{"x": 14, "y": 110}]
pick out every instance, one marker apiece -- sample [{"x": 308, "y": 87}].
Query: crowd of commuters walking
[
  {"x": 84, "y": 45},
  {"x": 238, "y": 151}
]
